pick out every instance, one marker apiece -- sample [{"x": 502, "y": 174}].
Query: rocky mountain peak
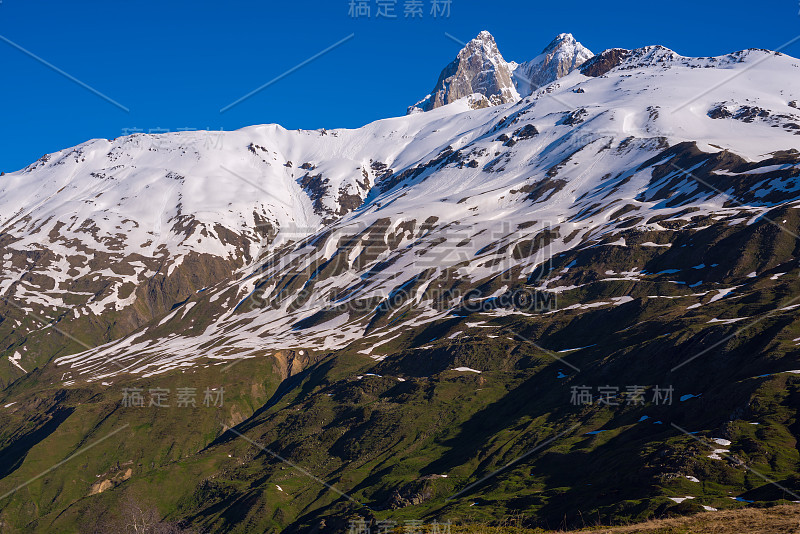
[
  {"x": 563, "y": 55},
  {"x": 561, "y": 40},
  {"x": 485, "y": 36},
  {"x": 480, "y": 70}
]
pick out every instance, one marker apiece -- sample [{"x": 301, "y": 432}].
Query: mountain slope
[{"x": 102, "y": 238}]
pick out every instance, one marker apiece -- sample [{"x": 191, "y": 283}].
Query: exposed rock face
[
  {"x": 108, "y": 483},
  {"x": 478, "y": 68},
  {"x": 563, "y": 55},
  {"x": 657, "y": 56},
  {"x": 604, "y": 62},
  {"x": 480, "y": 72}
]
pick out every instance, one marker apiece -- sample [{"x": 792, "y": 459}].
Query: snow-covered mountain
[
  {"x": 480, "y": 72},
  {"x": 412, "y": 306},
  {"x": 479, "y": 69},
  {"x": 563, "y": 55},
  {"x": 491, "y": 199},
  {"x": 122, "y": 236}
]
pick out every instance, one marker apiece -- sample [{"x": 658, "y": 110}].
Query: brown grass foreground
[{"x": 783, "y": 519}]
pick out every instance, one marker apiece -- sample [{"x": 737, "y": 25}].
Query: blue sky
[{"x": 174, "y": 64}]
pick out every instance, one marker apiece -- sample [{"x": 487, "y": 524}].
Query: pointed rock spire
[
  {"x": 478, "y": 68},
  {"x": 563, "y": 55}
]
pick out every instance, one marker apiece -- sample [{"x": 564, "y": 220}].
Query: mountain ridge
[{"x": 479, "y": 69}]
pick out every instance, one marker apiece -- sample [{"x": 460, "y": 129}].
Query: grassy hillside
[{"x": 308, "y": 441}]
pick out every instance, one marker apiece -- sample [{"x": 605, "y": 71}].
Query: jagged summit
[
  {"x": 479, "y": 69},
  {"x": 480, "y": 72},
  {"x": 560, "y": 39},
  {"x": 563, "y": 55}
]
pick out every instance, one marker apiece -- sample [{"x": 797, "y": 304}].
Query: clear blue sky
[{"x": 176, "y": 63}]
